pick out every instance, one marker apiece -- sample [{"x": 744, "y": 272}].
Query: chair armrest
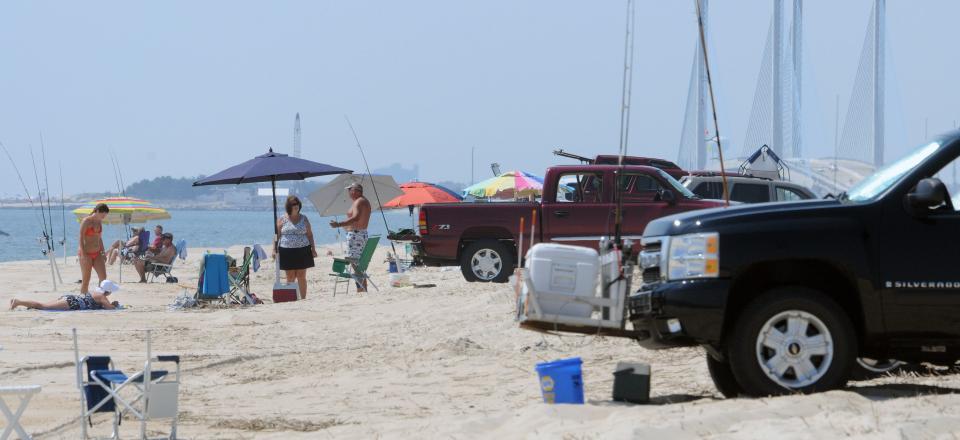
[{"x": 169, "y": 358}]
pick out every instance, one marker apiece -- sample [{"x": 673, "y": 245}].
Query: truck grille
[{"x": 650, "y": 261}]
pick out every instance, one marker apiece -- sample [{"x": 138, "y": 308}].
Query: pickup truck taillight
[{"x": 422, "y": 222}]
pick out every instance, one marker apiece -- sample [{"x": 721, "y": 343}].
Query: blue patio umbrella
[{"x": 271, "y": 167}]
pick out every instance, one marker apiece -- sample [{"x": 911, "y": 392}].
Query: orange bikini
[{"x": 91, "y": 231}]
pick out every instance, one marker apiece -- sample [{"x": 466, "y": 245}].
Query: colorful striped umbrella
[
  {"x": 124, "y": 210},
  {"x": 507, "y": 185},
  {"x": 419, "y": 193}
]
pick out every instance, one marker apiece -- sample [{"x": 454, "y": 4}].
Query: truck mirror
[
  {"x": 665, "y": 195},
  {"x": 929, "y": 193}
]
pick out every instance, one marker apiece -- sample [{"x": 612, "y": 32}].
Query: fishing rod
[
  {"x": 36, "y": 176},
  {"x": 116, "y": 176},
  {"x": 63, "y": 213},
  {"x": 713, "y": 101},
  {"x": 46, "y": 186},
  {"x": 372, "y": 183},
  {"x": 26, "y": 191},
  {"x": 625, "y": 98},
  {"x": 116, "y": 161}
]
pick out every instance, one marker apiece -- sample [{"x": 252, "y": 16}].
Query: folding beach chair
[
  {"x": 239, "y": 278},
  {"x": 164, "y": 270},
  {"x": 213, "y": 285},
  {"x": 24, "y": 393},
  {"x": 344, "y": 271},
  {"x": 145, "y": 395}
]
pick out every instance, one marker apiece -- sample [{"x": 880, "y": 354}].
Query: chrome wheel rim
[
  {"x": 794, "y": 349},
  {"x": 486, "y": 264},
  {"x": 879, "y": 366}
]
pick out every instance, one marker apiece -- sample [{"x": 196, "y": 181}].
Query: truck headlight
[{"x": 694, "y": 256}]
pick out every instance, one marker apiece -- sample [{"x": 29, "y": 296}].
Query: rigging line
[
  {"x": 36, "y": 177},
  {"x": 46, "y": 184},
  {"x": 372, "y": 183},
  {"x": 713, "y": 101}
]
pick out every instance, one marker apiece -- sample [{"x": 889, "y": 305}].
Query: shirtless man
[
  {"x": 358, "y": 217},
  {"x": 167, "y": 253}
]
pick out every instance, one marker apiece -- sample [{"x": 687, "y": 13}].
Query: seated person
[
  {"x": 157, "y": 243},
  {"x": 166, "y": 255},
  {"x": 132, "y": 246},
  {"x": 98, "y": 300}
]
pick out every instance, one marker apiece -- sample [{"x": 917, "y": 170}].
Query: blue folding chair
[{"x": 146, "y": 395}]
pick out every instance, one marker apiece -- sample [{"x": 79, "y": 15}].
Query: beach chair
[
  {"x": 164, "y": 270},
  {"x": 213, "y": 286},
  {"x": 127, "y": 256},
  {"x": 239, "y": 278},
  {"x": 344, "y": 272},
  {"x": 146, "y": 395},
  {"x": 24, "y": 394}
]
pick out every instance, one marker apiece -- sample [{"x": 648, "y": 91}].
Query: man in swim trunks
[
  {"x": 166, "y": 255},
  {"x": 358, "y": 217},
  {"x": 98, "y": 300}
]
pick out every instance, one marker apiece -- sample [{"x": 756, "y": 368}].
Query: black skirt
[{"x": 295, "y": 258}]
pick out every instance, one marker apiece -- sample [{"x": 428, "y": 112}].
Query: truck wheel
[
  {"x": 723, "y": 378},
  {"x": 486, "y": 261},
  {"x": 792, "y": 339}
]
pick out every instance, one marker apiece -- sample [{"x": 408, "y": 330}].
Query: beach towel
[
  {"x": 258, "y": 254},
  {"x": 181, "y": 249},
  {"x": 215, "y": 280}
]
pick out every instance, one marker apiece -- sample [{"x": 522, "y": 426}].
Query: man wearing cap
[
  {"x": 358, "y": 217},
  {"x": 166, "y": 255},
  {"x": 96, "y": 300}
]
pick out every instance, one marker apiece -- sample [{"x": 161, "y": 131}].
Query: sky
[{"x": 186, "y": 88}]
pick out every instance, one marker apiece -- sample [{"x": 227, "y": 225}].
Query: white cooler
[{"x": 564, "y": 270}]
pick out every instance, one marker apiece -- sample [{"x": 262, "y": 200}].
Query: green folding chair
[{"x": 344, "y": 271}]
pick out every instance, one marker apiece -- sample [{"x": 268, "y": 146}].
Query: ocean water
[{"x": 200, "y": 228}]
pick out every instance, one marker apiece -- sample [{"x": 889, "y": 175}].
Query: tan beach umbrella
[{"x": 332, "y": 199}]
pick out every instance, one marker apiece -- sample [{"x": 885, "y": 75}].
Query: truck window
[
  {"x": 750, "y": 193},
  {"x": 639, "y": 187},
  {"x": 789, "y": 194},
  {"x": 709, "y": 190},
  {"x": 580, "y": 188}
]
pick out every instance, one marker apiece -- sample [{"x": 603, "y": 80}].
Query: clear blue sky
[{"x": 185, "y": 88}]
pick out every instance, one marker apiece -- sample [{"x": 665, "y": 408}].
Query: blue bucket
[{"x": 561, "y": 381}]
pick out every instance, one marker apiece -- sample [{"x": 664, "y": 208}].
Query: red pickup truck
[{"x": 577, "y": 207}]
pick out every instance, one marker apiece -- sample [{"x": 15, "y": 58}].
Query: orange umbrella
[{"x": 419, "y": 193}]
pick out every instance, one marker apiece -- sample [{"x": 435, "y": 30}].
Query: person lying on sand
[{"x": 85, "y": 301}]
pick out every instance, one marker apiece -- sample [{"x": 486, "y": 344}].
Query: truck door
[
  {"x": 581, "y": 211},
  {"x": 641, "y": 203},
  {"x": 920, "y": 269}
]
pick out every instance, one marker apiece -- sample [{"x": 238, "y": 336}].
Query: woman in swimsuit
[
  {"x": 98, "y": 300},
  {"x": 91, "y": 250}
]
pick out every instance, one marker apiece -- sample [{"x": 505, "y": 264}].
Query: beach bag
[{"x": 284, "y": 292}]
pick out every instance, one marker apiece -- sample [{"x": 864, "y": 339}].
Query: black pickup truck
[{"x": 796, "y": 297}]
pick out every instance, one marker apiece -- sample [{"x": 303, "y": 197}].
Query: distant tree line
[{"x": 167, "y": 188}]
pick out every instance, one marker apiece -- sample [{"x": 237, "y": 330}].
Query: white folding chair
[
  {"x": 25, "y": 393},
  {"x": 146, "y": 395}
]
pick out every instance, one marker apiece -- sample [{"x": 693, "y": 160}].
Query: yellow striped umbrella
[{"x": 124, "y": 210}]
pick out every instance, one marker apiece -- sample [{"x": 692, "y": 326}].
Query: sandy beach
[{"x": 440, "y": 362}]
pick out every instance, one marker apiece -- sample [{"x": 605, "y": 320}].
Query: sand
[{"x": 441, "y": 362}]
